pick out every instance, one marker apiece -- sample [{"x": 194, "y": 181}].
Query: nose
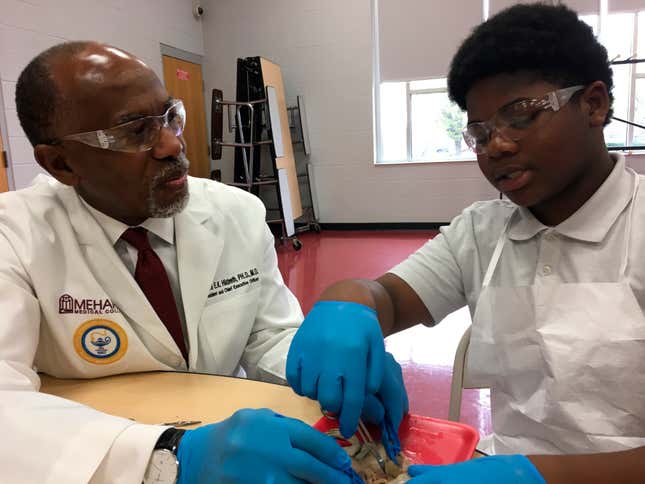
[
  {"x": 168, "y": 144},
  {"x": 500, "y": 145}
]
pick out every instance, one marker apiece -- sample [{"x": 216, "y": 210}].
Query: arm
[
  {"x": 626, "y": 467},
  {"x": 277, "y": 319},
  {"x": 432, "y": 277},
  {"x": 47, "y": 438},
  {"x": 363, "y": 311},
  {"x": 258, "y": 445},
  {"x": 397, "y": 305},
  {"x": 351, "y": 374}
]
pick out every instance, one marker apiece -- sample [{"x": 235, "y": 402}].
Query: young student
[{"x": 553, "y": 276}]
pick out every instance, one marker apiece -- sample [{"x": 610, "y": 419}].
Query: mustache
[{"x": 174, "y": 167}]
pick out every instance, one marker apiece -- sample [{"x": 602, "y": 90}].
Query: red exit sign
[{"x": 183, "y": 75}]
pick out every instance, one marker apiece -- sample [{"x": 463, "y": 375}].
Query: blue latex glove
[
  {"x": 497, "y": 469},
  {"x": 337, "y": 357},
  {"x": 260, "y": 446},
  {"x": 391, "y": 396}
]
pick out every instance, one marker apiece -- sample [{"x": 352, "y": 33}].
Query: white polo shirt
[{"x": 448, "y": 271}]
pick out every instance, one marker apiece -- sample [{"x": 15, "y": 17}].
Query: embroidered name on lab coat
[{"x": 234, "y": 282}]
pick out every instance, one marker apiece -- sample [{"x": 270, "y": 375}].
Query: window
[
  {"x": 414, "y": 43},
  {"x": 419, "y": 123},
  {"x": 619, "y": 32}
]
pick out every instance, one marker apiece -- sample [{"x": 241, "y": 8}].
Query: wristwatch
[{"x": 163, "y": 466}]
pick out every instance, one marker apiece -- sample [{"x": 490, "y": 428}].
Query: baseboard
[{"x": 384, "y": 226}]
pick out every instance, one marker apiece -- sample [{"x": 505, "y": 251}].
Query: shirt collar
[
  {"x": 164, "y": 228},
  {"x": 592, "y": 221}
]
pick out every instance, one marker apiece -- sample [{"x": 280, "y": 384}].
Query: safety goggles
[
  {"x": 134, "y": 136},
  {"x": 516, "y": 120}
]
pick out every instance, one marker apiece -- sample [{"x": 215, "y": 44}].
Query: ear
[
  {"x": 595, "y": 102},
  {"x": 52, "y": 158}
]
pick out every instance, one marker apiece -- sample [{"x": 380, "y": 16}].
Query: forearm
[
  {"x": 627, "y": 467},
  {"x": 128, "y": 457},
  {"x": 367, "y": 292},
  {"x": 55, "y": 440}
]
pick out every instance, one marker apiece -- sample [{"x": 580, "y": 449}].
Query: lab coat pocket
[{"x": 224, "y": 330}]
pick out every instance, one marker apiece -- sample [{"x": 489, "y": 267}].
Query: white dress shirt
[{"x": 161, "y": 234}]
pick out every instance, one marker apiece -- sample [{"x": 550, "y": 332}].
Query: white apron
[{"x": 565, "y": 362}]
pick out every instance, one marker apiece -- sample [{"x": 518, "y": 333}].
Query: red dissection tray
[{"x": 425, "y": 440}]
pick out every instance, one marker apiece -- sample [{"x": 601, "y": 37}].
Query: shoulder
[
  {"x": 32, "y": 203},
  {"x": 481, "y": 221},
  {"x": 240, "y": 214},
  {"x": 469, "y": 235},
  {"x": 32, "y": 218}
]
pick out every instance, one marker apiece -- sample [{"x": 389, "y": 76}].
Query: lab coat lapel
[
  {"x": 199, "y": 249},
  {"x": 111, "y": 273}
]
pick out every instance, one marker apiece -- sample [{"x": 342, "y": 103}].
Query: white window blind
[
  {"x": 582, "y": 7},
  {"x": 626, "y": 5},
  {"x": 417, "y": 38}
]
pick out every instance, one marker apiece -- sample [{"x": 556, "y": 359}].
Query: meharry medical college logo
[
  {"x": 70, "y": 305},
  {"x": 100, "y": 341}
]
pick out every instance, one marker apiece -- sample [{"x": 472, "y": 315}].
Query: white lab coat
[{"x": 70, "y": 308}]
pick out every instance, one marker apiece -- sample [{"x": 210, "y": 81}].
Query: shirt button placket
[{"x": 548, "y": 254}]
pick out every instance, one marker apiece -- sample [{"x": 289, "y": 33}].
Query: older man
[{"x": 119, "y": 262}]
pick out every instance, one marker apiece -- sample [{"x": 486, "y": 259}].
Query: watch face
[{"x": 162, "y": 468}]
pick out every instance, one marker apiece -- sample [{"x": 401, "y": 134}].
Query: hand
[
  {"x": 337, "y": 357},
  {"x": 498, "y": 469},
  {"x": 260, "y": 446},
  {"x": 391, "y": 397}
]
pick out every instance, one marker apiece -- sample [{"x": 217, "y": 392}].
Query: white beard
[{"x": 164, "y": 211}]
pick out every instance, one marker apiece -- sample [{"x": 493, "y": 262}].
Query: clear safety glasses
[
  {"x": 134, "y": 136},
  {"x": 516, "y": 120}
]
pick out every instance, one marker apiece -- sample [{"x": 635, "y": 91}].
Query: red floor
[{"x": 426, "y": 354}]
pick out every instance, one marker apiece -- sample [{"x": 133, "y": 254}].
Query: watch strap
[{"x": 170, "y": 439}]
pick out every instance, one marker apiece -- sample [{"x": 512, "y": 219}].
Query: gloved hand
[
  {"x": 260, "y": 446},
  {"x": 391, "y": 396},
  {"x": 497, "y": 469},
  {"x": 337, "y": 357}
]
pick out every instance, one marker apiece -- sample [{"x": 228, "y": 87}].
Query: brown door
[
  {"x": 4, "y": 181},
  {"x": 184, "y": 81}
]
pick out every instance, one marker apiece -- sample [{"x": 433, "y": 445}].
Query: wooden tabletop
[
  {"x": 162, "y": 397},
  {"x": 159, "y": 397}
]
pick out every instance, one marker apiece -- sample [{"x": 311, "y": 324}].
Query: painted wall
[{"x": 325, "y": 51}]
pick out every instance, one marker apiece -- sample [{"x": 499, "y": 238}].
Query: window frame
[
  {"x": 409, "y": 92},
  {"x": 376, "y": 102},
  {"x": 633, "y": 76}
]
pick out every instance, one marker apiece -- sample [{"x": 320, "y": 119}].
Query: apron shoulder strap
[{"x": 498, "y": 250}]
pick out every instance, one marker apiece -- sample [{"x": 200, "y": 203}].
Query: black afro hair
[{"x": 549, "y": 41}]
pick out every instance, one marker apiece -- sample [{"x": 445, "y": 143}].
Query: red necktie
[{"x": 153, "y": 281}]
